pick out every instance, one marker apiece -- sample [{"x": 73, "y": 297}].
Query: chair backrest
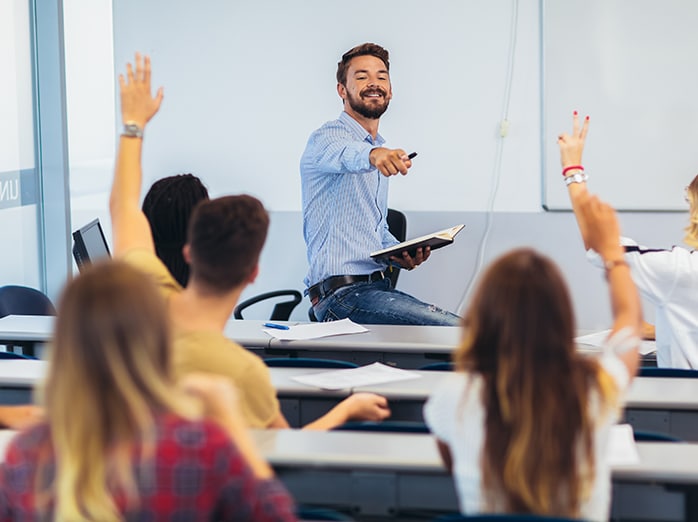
[
  {"x": 22, "y": 300},
  {"x": 502, "y": 518},
  {"x": 311, "y": 513},
  {"x": 14, "y": 355},
  {"x": 650, "y": 371},
  {"x": 386, "y": 426},
  {"x": 443, "y": 366},
  {"x": 653, "y": 436},
  {"x": 282, "y": 310},
  {"x": 308, "y": 362},
  {"x": 397, "y": 225}
]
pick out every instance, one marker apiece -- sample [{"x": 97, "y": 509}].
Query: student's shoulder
[
  {"x": 213, "y": 352},
  {"x": 148, "y": 262}
]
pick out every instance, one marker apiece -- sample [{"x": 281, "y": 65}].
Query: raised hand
[
  {"x": 137, "y": 103},
  {"x": 572, "y": 145}
]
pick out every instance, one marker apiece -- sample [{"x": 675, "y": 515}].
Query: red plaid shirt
[{"x": 197, "y": 474}]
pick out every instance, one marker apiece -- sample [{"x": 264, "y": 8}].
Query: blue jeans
[{"x": 378, "y": 303}]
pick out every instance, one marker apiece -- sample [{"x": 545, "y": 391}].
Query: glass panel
[{"x": 19, "y": 242}]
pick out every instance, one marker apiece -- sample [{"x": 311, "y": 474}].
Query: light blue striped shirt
[{"x": 345, "y": 201}]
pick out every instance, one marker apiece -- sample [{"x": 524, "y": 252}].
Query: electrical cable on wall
[{"x": 497, "y": 168}]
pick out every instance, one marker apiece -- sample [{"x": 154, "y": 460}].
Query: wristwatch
[
  {"x": 579, "y": 177},
  {"x": 132, "y": 130}
]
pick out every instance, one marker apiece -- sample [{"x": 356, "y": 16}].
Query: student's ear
[
  {"x": 342, "y": 91},
  {"x": 186, "y": 254},
  {"x": 253, "y": 275}
]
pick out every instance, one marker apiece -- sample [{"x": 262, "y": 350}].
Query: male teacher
[{"x": 344, "y": 173}]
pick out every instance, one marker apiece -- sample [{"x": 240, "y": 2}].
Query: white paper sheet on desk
[
  {"x": 621, "y": 448},
  {"x": 598, "y": 339},
  {"x": 375, "y": 373},
  {"x": 315, "y": 330}
]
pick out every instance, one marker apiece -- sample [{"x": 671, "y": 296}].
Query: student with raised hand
[
  {"x": 224, "y": 241},
  {"x": 168, "y": 204},
  {"x": 666, "y": 278},
  {"x": 120, "y": 440},
  {"x": 524, "y": 422}
]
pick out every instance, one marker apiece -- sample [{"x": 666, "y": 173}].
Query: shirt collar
[{"x": 359, "y": 131}]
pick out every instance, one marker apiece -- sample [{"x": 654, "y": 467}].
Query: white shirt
[
  {"x": 669, "y": 280},
  {"x": 456, "y": 416}
]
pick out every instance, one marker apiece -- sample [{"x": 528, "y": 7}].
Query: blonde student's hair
[
  {"x": 109, "y": 375},
  {"x": 519, "y": 329},
  {"x": 691, "y": 237}
]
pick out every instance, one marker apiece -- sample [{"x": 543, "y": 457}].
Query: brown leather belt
[{"x": 324, "y": 287}]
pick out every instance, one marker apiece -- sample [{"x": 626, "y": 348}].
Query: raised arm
[
  {"x": 571, "y": 149},
  {"x": 130, "y": 227},
  {"x": 602, "y": 233}
]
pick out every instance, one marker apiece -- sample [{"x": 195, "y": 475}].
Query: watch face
[{"x": 131, "y": 129}]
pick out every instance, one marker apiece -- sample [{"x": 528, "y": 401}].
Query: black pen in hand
[{"x": 412, "y": 155}]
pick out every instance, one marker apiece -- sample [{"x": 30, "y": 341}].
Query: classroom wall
[{"x": 490, "y": 69}]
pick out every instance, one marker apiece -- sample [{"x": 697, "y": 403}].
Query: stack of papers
[
  {"x": 375, "y": 373},
  {"x": 316, "y": 330},
  {"x": 599, "y": 338}
]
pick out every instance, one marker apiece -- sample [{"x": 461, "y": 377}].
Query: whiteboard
[
  {"x": 246, "y": 82},
  {"x": 631, "y": 65}
]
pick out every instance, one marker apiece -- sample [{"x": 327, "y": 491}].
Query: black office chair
[
  {"x": 281, "y": 312},
  {"x": 311, "y": 513},
  {"x": 502, "y": 518},
  {"x": 653, "y": 436},
  {"x": 308, "y": 362},
  {"x": 387, "y": 426},
  {"x": 651, "y": 371},
  {"x": 22, "y": 300},
  {"x": 443, "y": 366},
  {"x": 397, "y": 224}
]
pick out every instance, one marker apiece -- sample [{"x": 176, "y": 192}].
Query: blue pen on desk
[{"x": 277, "y": 326}]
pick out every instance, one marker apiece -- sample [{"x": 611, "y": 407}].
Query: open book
[{"x": 436, "y": 240}]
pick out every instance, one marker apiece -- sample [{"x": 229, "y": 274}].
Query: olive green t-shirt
[{"x": 212, "y": 352}]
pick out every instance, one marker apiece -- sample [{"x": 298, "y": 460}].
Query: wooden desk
[
  {"x": 389, "y": 475},
  {"x": 394, "y": 475},
  {"x": 400, "y": 346},
  {"x": 667, "y": 405}
]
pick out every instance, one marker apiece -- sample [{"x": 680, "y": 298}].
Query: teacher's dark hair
[{"x": 366, "y": 49}]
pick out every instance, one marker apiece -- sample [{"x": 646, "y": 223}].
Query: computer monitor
[{"x": 89, "y": 244}]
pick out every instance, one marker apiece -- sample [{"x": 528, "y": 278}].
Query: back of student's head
[
  {"x": 226, "y": 236},
  {"x": 518, "y": 336},
  {"x": 168, "y": 206},
  {"x": 109, "y": 374}
]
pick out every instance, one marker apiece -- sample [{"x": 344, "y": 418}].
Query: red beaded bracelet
[{"x": 572, "y": 167}]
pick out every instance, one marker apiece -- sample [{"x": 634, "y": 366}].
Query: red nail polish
[
  {"x": 575, "y": 113},
  {"x": 587, "y": 118}
]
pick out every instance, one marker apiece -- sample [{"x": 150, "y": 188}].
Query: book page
[{"x": 376, "y": 373}]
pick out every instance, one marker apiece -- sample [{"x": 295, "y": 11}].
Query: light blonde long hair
[
  {"x": 691, "y": 237},
  {"x": 538, "y": 450},
  {"x": 109, "y": 375}
]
